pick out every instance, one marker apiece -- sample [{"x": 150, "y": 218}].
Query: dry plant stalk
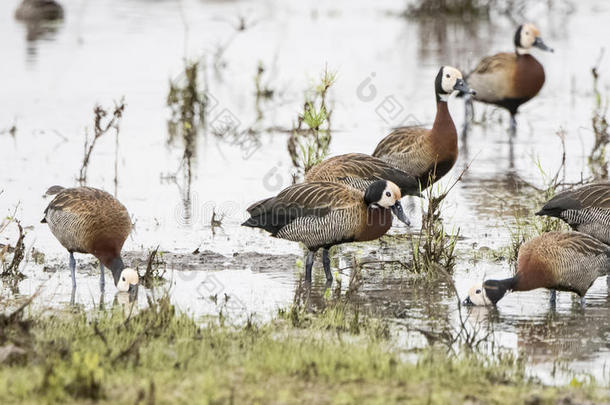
[{"x": 100, "y": 128}]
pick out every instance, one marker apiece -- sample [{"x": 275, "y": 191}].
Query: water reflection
[{"x": 42, "y": 20}]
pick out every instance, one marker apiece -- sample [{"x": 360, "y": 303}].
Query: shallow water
[{"x": 107, "y": 49}]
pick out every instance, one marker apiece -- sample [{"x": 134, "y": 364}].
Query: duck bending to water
[
  {"x": 564, "y": 261},
  {"x": 88, "y": 220},
  {"x": 325, "y": 214}
]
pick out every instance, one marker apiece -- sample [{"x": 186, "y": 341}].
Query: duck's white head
[
  {"x": 448, "y": 80},
  {"x": 477, "y": 296},
  {"x": 528, "y": 36},
  {"x": 128, "y": 280},
  {"x": 386, "y": 194}
]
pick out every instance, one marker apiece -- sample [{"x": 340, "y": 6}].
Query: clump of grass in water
[
  {"x": 152, "y": 275},
  {"x": 434, "y": 248},
  {"x": 10, "y": 269},
  {"x": 188, "y": 105},
  {"x": 597, "y": 160},
  {"x": 457, "y": 8},
  {"x": 530, "y": 226},
  {"x": 160, "y": 354},
  {"x": 309, "y": 146}
]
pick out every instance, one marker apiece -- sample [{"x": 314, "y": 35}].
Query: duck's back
[
  {"x": 568, "y": 261},
  {"x": 84, "y": 218}
]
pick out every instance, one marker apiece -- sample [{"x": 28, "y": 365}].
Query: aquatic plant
[
  {"x": 153, "y": 275},
  {"x": 102, "y": 124},
  {"x": 458, "y": 8},
  {"x": 10, "y": 269},
  {"x": 434, "y": 248},
  {"x": 597, "y": 161},
  {"x": 188, "y": 101},
  {"x": 309, "y": 146},
  {"x": 529, "y": 226}
]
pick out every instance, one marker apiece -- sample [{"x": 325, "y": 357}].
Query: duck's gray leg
[
  {"x": 553, "y": 298},
  {"x": 513, "y": 126},
  {"x": 326, "y": 263},
  {"x": 582, "y": 301},
  {"x": 73, "y": 270},
  {"x": 309, "y": 265},
  {"x": 102, "y": 279},
  {"x": 468, "y": 114}
]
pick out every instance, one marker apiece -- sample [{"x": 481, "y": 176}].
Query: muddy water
[{"x": 103, "y": 50}]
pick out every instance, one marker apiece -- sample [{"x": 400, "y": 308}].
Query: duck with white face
[
  {"x": 528, "y": 36},
  {"x": 557, "y": 261},
  {"x": 509, "y": 79},
  {"x": 449, "y": 80},
  {"x": 128, "y": 281}
]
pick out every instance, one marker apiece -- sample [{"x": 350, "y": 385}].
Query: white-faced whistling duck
[
  {"x": 427, "y": 154},
  {"x": 88, "y": 220},
  {"x": 586, "y": 209},
  {"x": 324, "y": 214},
  {"x": 38, "y": 10},
  {"x": 510, "y": 79},
  {"x": 564, "y": 261},
  {"x": 360, "y": 171}
]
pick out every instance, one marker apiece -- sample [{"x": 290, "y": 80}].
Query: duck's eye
[
  {"x": 478, "y": 292},
  {"x": 123, "y": 278},
  {"x": 388, "y": 194},
  {"x": 527, "y": 32},
  {"x": 447, "y": 75}
]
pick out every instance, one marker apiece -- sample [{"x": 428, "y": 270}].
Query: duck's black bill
[
  {"x": 400, "y": 213},
  {"x": 462, "y": 87},
  {"x": 539, "y": 43},
  {"x": 133, "y": 289},
  {"x": 467, "y": 302}
]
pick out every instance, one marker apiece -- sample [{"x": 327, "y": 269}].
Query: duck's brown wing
[
  {"x": 81, "y": 216},
  {"x": 492, "y": 79},
  {"x": 407, "y": 149},
  {"x": 360, "y": 171}
]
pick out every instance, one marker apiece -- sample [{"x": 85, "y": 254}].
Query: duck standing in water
[
  {"x": 509, "y": 79},
  {"x": 325, "y": 214},
  {"x": 88, "y": 220},
  {"x": 427, "y": 154}
]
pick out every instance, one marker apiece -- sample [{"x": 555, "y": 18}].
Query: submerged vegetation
[
  {"x": 161, "y": 355},
  {"x": 309, "y": 146}
]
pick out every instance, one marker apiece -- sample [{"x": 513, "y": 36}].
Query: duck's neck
[
  {"x": 378, "y": 222},
  {"x": 496, "y": 289},
  {"x": 442, "y": 122}
]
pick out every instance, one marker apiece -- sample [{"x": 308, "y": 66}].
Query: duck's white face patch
[
  {"x": 128, "y": 277},
  {"x": 390, "y": 195},
  {"x": 529, "y": 33},
  {"x": 478, "y": 296},
  {"x": 450, "y": 76}
]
